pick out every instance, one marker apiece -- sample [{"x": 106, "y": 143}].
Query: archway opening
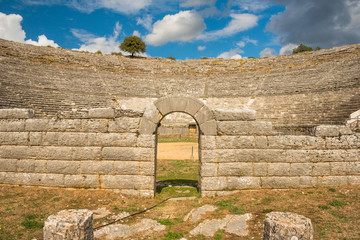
[{"x": 177, "y": 156}]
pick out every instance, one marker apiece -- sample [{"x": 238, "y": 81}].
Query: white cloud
[
  {"x": 136, "y": 33},
  {"x": 232, "y": 54},
  {"x": 249, "y": 40},
  {"x": 238, "y": 23},
  {"x": 287, "y": 49},
  {"x": 267, "y": 52},
  {"x": 146, "y": 21},
  {"x": 241, "y": 44},
  {"x": 10, "y": 27},
  {"x": 93, "y": 43},
  {"x": 201, "y": 48},
  {"x": 42, "y": 41},
  {"x": 196, "y": 3},
  {"x": 183, "y": 26},
  {"x": 252, "y": 5},
  {"x": 122, "y": 6}
]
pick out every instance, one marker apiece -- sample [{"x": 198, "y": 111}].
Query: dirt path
[{"x": 177, "y": 151}]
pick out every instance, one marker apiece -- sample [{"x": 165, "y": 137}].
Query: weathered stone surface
[
  {"x": 81, "y": 181},
  {"x": 12, "y": 125},
  {"x": 295, "y": 142},
  {"x": 14, "y": 138},
  {"x": 16, "y": 113},
  {"x": 209, "y": 169},
  {"x": 100, "y": 213},
  {"x": 101, "y": 113},
  {"x": 127, "y": 182},
  {"x": 97, "y": 167},
  {"x": 278, "y": 169},
  {"x": 116, "y": 140},
  {"x": 209, "y": 128},
  {"x": 146, "y": 141},
  {"x": 235, "y": 114},
  {"x": 301, "y": 169},
  {"x": 36, "y": 125},
  {"x": 207, "y": 142},
  {"x": 96, "y": 125},
  {"x": 244, "y": 128},
  {"x": 147, "y": 127},
  {"x": 114, "y": 231},
  {"x": 203, "y": 115},
  {"x": 235, "y": 169},
  {"x": 126, "y": 154},
  {"x": 286, "y": 225},
  {"x": 64, "y": 167},
  {"x": 235, "y": 142},
  {"x": 238, "y": 183},
  {"x": 32, "y": 166},
  {"x": 152, "y": 113},
  {"x": 332, "y": 130},
  {"x": 280, "y": 182},
  {"x": 69, "y": 224},
  {"x": 8, "y": 165},
  {"x": 197, "y": 213}
]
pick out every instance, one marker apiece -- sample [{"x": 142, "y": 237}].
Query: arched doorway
[{"x": 156, "y": 111}]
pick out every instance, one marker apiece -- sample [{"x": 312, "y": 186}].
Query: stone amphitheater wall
[{"x": 112, "y": 148}]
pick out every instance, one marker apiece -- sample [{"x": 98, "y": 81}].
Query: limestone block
[
  {"x": 50, "y": 138},
  {"x": 35, "y": 138},
  {"x": 76, "y": 139},
  {"x": 101, "y": 113},
  {"x": 81, "y": 181},
  {"x": 14, "y": 152},
  {"x": 51, "y": 153},
  {"x": 147, "y": 168},
  {"x": 124, "y": 125},
  {"x": 280, "y": 182},
  {"x": 141, "y": 193},
  {"x": 343, "y": 142},
  {"x": 238, "y": 183},
  {"x": 69, "y": 224},
  {"x": 339, "y": 168},
  {"x": 203, "y": 115},
  {"x": 14, "y": 138},
  {"x": 307, "y": 181},
  {"x": 86, "y": 153},
  {"x": 197, "y": 213},
  {"x": 332, "y": 181},
  {"x": 260, "y": 169},
  {"x": 193, "y": 106},
  {"x": 295, "y": 142},
  {"x": 152, "y": 113},
  {"x": 127, "y": 168},
  {"x": 209, "y": 128},
  {"x": 301, "y": 169},
  {"x": 8, "y": 165},
  {"x": 235, "y": 142},
  {"x": 267, "y": 155},
  {"x": 235, "y": 114},
  {"x": 279, "y": 169},
  {"x": 354, "y": 180},
  {"x": 12, "y": 125},
  {"x": 16, "y": 113},
  {"x": 321, "y": 169},
  {"x": 208, "y": 156},
  {"x": 207, "y": 142},
  {"x": 213, "y": 183},
  {"x": 209, "y": 170},
  {"x": 146, "y": 141},
  {"x": 95, "y": 125},
  {"x": 64, "y": 167},
  {"x": 235, "y": 169},
  {"x": 353, "y": 168},
  {"x": 32, "y": 166},
  {"x": 36, "y": 125},
  {"x": 128, "y": 154},
  {"x": 120, "y": 112},
  {"x": 147, "y": 127},
  {"x": 332, "y": 130},
  {"x": 65, "y": 125},
  {"x": 97, "y": 167},
  {"x": 116, "y": 140},
  {"x": 40, "y": 179},
  {"x": 261, "y": 142},
  {"x": 132, "y": 182},
  {"x": 8, "y": 178},
  {"x": 244, "y": 128},
  {"x": 287, "y": 225}
]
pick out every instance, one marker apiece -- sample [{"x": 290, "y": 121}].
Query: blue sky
[{"x": 184, "y": 29}]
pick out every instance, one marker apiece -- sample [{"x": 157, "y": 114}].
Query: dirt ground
[{"x": 178, "y": 151}]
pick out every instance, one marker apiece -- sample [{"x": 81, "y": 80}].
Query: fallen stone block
[{"x": 197, "y": 213}]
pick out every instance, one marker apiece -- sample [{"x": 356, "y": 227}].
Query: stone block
[
  {"x": 32, "y": 166},
  {"x": 86, "y": 153},
  {"x": 235, "y": 114},
  {"x": 97, "y": 167},
  {"x": 141, "y": 193},
  {"x": 207, "y": 142},
  {"x": 171, "y": 104},
  {"x": 261, "y": 142},
  {"x": 279, "y": 169},
  {"x": 124, "y": 125},
  {"x": 321, "y": 169},
  {"x": 235, "y": 169},
  {"x": 332, "y": 181},
  {"x": 16, "y": 113},
  {"x": 146, "y": 141},
  {"x": 50, "y": 138},
  {"x": 353, "y": 168},
  {"x": 332, "y": 130},
  {"x": 69, "y": 224},
  {"x": 286, "y": 225},
  {"x": 35, "y": 138},
  {"x": 343, "y": 142},
  {"x": 203, "y": 115},
  {"x": 238, "y": 183},
  {"x": 193, "y": 106},
  {"x": 77, "y": 139},
  {"x": 354, "y": 180},
  {"x": 101, "y": 113},
  {"x": 260, "y": 169},
  {"x": 63, "y": 167},
  {"x": 127, "y": 168},
  {"x": 116, "y": 140},
  {"x": 209, "y": 128},
  {"x": 12, "y": 125},
  {"x": 267, "y": 155},
  {"x": 224, "y": 142},
  {"x": 295, "y": 142},
  {"x": 8, "y": 165},
  {"x": 132, "y": 182},
  {"x": 244, "y": 128},
  {"x": 95, "y": 125},
  {"x": 307, "y": 181},
  {"x": 280, "y": 182},
  {"x": 213, "y": 183},
  {"x": 228, "y": 155},
  {"x": 147, "y": 168},
  {"x": 14, "y": 138},
  {"x": 209, "y": 170},
  {"x": 128, "y": 154},
  {"x": 65, "y": 125},
  {"x": 301, "y": 169},
  {"x": 14, "y": 152},
  {"x": 339, "y": 168},
  {"x": 37, "y": 125},
  {"x": 40, "y": 179},
  {"x": 152, "y": 113},
  {"x": 147, "y": 127},
  {"x": 51, "y": 153},
  {"x": 81, "y": 181}
]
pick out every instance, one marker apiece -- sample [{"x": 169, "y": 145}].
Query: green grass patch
[
  {"x": 177, "y": 169},
  {"x": 173, "y": 235},
  {"x": 33, "y": 221},
  {"x": 337, "y": 203},
  {"x": 324, "y": 207}
]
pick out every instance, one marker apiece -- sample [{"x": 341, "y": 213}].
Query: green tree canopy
[
  {"x": 133, "y": 44},
  {"x": 302, "y": 48}
]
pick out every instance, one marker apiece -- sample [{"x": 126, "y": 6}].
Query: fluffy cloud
[
  {"x": 267, "y": 52},
  {"x": 122, "y": 6},
  {"x": 321, "y": 23},
  {"x": 11, "y": 29},
  {"x": 94, "y": 43},
  {"x": 246, "y": 40},
  {"x": 252, "y": 5},
  {"x": 146, "y": 22},
  {"x": 232, "y": 54},
  {"x": 183, "y": 26},
  {"x": 287, "y": 49},
  {"x": 238, "y": 23},
  {"x": 201, "y": 48},
  {"x": 196, "y": 3}
]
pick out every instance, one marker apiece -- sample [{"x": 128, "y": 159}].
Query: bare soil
[{"x": 178, "y": 151}]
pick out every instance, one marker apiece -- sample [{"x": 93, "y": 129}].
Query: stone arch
[{"x": 156, "y": 111}]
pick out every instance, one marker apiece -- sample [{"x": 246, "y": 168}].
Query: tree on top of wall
[{"x": 133, "y": 44}]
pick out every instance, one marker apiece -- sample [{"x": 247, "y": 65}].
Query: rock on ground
[
  {"x": 234, "y": 224},
  {"x": 196, "y": 214}
]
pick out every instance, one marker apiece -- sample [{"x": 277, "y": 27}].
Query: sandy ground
[{"x": 177, "y": 151}]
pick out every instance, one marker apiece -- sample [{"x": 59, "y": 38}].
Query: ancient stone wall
[{"x": 116, "y": 149}]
